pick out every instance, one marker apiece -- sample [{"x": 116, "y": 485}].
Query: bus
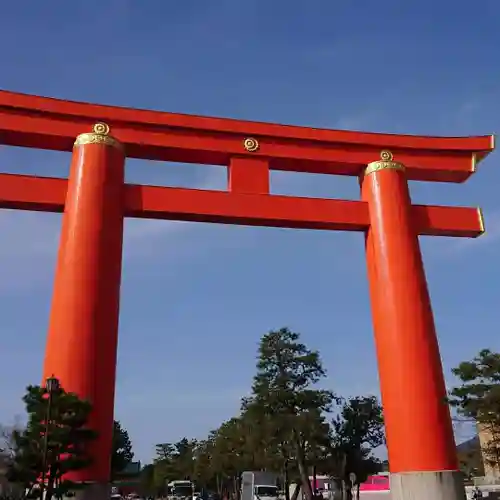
[{"x": 180, "y": 489}]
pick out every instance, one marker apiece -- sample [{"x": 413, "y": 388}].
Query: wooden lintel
[
  {"x": 48, "y": 194},
  {"x": 45, "y": 123}
]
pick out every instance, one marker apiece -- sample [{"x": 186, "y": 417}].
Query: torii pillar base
[{"x": 445, "y": 485}]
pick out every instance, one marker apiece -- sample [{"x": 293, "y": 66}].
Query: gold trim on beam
[
  {"x": 385, "y": 162},
  {"x": 99, "y": 135},
  {"x": 479, "y": 156},
  {"x": 481, "y": 221}
]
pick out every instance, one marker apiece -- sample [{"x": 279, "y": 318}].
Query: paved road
[{"x": 375, "y": 496}]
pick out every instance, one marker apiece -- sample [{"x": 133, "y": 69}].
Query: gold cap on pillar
[
  {"x": 386, "y": 162},
  {"x": 99, "y": 135}
]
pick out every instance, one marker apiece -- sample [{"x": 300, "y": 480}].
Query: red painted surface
[
  {"x": 417, "y": 420},
  {"x": 248, "y": 175},
  {"x": 44, "y": 123},
  {"x": 47, "y": 195},
  {"x": 83, "y": 326},
  {"x": 82, "y": 338}
]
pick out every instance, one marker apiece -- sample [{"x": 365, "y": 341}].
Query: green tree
[
  {"x": 174, "y": 461},
  {"x": 165, "y": 451},
  {"x": 205, "y": 466},
  {"x": 284, "y": 390},
  {"x": 266, "y": 443},
  {"x": 357, "y": 430},
  {"x": 122, "y": 453},
  {"x": 477, "y": 398},
  {"x": 239, "y": 444},
  {"x": 228, "y": 448},
  {"x": 164, "y": 467},
  {"x": 185, "y": 452},
  {"x": 146, "y": 478},
  {"x": 54, "y": 453}
]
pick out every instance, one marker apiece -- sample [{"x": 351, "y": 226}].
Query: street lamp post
[{"x": 51, "y": 386}]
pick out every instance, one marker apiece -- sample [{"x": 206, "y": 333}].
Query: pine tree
[
  {"x": 53, "y": 443},
  {"x": 284, "y": 390},
  {"x": 122, "y": 453},
  {"x": 478, "y": 399},
  {"x": 357, "y": 430}
]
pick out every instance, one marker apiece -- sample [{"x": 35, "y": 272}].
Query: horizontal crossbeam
[
  {"x": 48, "y": 194},
  {"x": 44, "y": 123}
]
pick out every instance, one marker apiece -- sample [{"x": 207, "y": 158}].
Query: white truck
[{"x": 258, "y": 485}]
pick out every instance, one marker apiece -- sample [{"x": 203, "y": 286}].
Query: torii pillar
[
  {"x": 83, "y": 327},
  {"x": 421, "y": 447}
]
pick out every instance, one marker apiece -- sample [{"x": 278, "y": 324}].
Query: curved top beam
[{"x": 47, "y": 123}]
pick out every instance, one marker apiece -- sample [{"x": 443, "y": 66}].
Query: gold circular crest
[
  {"x": 386, "y": 155},
  {"x": 251, "y": 144},
  {"x": 99, "y": 135},
  {"x": 386, "y": 162},
  {"x": 101, "y": 128}
]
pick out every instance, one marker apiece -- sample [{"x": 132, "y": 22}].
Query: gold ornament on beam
[
  {"x": 99, "y": 135},
  {"x": 386, "y": 162},
  {"x": 251, "y": 144}
]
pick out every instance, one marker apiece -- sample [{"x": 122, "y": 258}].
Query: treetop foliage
[
  {"x": 478, "y": 398},
  {"x": 286, "y": 374},
  {"x": 59, "y": 425},
  {"x": 285, "y": 426},
  {"x": 122, "y": 453},
  {"x": 360, "y": 423},
  {"x": 53, "y": 443}
]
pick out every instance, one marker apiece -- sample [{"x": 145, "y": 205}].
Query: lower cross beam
[{"x": 47, "y": 194}]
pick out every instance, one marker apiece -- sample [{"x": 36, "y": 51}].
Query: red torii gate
[{"x": 83, "y": 328}]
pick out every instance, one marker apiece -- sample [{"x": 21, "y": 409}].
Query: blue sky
[{"x": 196, "y": 297}]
